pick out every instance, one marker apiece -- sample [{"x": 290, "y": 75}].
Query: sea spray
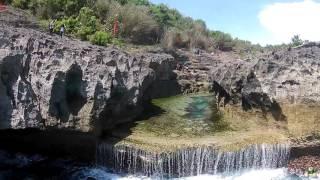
[{"x": 191, "y": 161}]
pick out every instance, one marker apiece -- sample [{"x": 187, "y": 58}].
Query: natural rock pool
[
  {"x": 182, "y": 116},
  {"x": 195, "y": 120},
  {"x": 188, "y": 136}
]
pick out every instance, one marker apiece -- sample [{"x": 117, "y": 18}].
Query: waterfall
[{"x": 191, "y": 161}]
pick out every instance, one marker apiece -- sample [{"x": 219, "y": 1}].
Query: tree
[{"x": 296, "y": 40}]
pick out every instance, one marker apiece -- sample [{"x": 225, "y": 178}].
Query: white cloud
[{"x": 284, "y": 20}]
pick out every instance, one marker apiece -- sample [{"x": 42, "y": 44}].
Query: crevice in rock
[
  {"x": 75, "y": 95},
  {"x": 222, "y": 94},
  {"x": 58, "y": 107},
  {"x": 10, "y": 69},
  {"x": 67, "y": 94},
  {"x": 277, "y": 112},
  {"x": 290, "y": 82}
]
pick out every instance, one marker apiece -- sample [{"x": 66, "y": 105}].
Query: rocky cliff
[
  {"x": 48, "y": 81},
  {"x": 289, "y": 76}
]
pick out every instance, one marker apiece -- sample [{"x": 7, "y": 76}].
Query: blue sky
[{"x": 255, "y": 20}]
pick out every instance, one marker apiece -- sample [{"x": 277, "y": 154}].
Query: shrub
[
  {"x": 136, "y": 2},
  {"x": 140, "y": 2},
  {"x": 52, "y": 8},
  {"x": 87, "y": 23},
  {"x": 84, "y": 33},
  {"x": 101, "y": 38},
  {"x": 296, "y": 41},
  {"x": 44, "y": 24},
  {"x": 174, "y": 38},
  {"x": 122, "y": 2},
  {"x": 165, "y": 16},
  {"x": 102, "y": 9},
  {"x": 117, "y": 42},
  {"x": 86, "y": 16},
  {"x": 72, "y": 7},
  {"x": 196, "y": 36},
  {"x": 223, "y": 41},
  {"x": 58, "y": 25},
  {"x": 107, "y": 12},
  {"x": 72, "y": 24},
  {"x": 23, "y": 4},
  {"x": 137, "y": 25},
  {"x": 198, "y": 40},
  {"x": 82, "y": 26}
]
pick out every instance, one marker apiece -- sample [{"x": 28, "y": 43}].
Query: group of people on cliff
[{"x": 52, "y": 26}]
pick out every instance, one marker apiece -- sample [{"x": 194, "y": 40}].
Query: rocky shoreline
[{"x": 305, "y": 166}]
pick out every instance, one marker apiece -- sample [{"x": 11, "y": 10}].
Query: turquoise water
[
  {"x": 200, "y": 107},
  {"x": 187, "y": 115}
]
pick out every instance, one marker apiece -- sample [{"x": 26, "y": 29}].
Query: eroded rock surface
[
  {"x": 46, "y": 81},
  {"x": 285, "y": 76}
]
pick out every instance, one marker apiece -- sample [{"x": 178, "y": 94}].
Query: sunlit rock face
[
  {"x": 283, "y": 76},
  {"x": 46, "y": 81},
  {"x": 191, "y": 161}
]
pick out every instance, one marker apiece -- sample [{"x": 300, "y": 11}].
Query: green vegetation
[
  {"x": 132, "y": 21},
  {"x": 224, "y": 41},
  {"x": 296, "y": 41},
  {"x": 101, "y": 38}
]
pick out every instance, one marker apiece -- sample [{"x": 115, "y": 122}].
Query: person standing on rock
[
  {"x": 3, "y": 7},
  {"x": 62, "y": 30}
]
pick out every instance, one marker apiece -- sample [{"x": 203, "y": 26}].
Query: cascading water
[{"x": 191, "y": 161}]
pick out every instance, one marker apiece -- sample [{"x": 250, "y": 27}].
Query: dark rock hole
[{"x": 75, "y": 96}]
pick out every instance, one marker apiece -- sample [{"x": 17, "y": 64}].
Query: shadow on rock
[{"x": 67, "y": 94}]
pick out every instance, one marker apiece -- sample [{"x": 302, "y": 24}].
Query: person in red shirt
[
  {"x": 3, "y": 7},
  {"x": 116, "y": 27}
]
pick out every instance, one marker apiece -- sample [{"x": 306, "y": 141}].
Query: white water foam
[
  {"x": 265, "y": 174},
  {"x": 192, "y": 161}
]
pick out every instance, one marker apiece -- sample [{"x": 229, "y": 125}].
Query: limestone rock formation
[
  {"x": 284, "y": 76},
  {"x": 46, "y": 81},
  {"x": 192, "y": 69}
]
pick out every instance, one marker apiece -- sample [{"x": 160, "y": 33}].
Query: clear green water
[
  {"x": 183, "y": 116},
  {"x": 200, "y": 107}
]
